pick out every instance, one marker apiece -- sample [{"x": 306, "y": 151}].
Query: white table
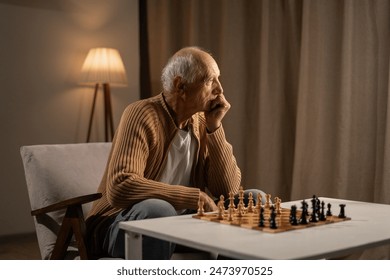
[{"x": 369, "y": 227}]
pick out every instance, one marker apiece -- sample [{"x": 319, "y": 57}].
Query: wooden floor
[
  {"x": 25, "y": 247},
  {"x": 19, "y": 247}
]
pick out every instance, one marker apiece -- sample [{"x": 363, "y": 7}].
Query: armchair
[{"x": 62, "y": 181}]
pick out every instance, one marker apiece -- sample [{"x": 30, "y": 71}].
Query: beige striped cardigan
[{"x": 137, "y": 158}]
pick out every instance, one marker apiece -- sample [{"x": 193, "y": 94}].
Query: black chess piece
[
  {"x": 313, "y": 217},
  {"x": 318, "y": 207},
  {"x": 303, "y": 219},
  {"x": 322, "y": 213},
  {"x": 314, "y": 202},
  {"x": 272, "y": 218},
  {"x": 306, "y": 208},
  {"x": 329, "y": 212},
  {"x": 261, "y": 218},
  {"x": 342, "y": 211},
  {"x": 293, "y": 215}
]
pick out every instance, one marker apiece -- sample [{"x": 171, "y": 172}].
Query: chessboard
[{"x": 271, "y": 217}]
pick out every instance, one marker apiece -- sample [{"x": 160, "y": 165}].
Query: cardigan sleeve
[{"x": 223, "y": 173}]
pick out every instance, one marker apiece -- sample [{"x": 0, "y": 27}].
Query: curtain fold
[
  {"x": 144, "y": 70},
  {"x": 308, "y": 82}
]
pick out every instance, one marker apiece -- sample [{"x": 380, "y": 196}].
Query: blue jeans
[{"x": 152, "y": 248}]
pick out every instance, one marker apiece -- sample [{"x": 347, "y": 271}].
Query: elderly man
[{"x": 168, "y": 152}]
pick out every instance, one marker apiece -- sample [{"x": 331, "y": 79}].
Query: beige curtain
[{"x": 309, "y": 86}]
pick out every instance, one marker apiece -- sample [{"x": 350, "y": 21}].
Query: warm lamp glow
[{"x": 103, "y": 66}]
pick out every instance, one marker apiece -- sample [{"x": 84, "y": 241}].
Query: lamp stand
[{"x": 108, "y": 119}]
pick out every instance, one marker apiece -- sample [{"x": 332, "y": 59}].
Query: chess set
[{"x": 271, "y": 217}]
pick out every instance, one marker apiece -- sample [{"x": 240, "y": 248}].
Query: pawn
[
  {"x": 267, "y": 201},
  {"x": 250, "y": 203},
  {"x": 200, "y": 207},
  {"x": 342, "y": 211},
  {"x": 240, "y": 210},
  {"x": 230, "y": 214},
  {"x": 220, "y": 213},
  {"x": 258, "y": 203},
  {"x": 329, "y": 212},
  {"x": 231, "y": 201}
]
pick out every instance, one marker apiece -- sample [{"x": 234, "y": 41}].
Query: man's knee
[{"x": 153, "y": 208}]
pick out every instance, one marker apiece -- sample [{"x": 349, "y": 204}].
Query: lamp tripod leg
[
  {"x": 92, "y": 112},
  {"x": 108, "y": 119}
]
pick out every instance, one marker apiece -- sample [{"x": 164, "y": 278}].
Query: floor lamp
[{"x": 103, "y": 67}]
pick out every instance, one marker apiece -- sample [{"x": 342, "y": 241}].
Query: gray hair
[{"x": 186, "y": 64}]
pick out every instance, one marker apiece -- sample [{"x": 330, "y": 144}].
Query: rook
[{"x": 342, "y": 211}]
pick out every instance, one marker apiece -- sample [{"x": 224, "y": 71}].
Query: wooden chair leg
[
  {"x": 73, "y": 223},
  {"x": 63, "y": 239},
  {"x": 79, "y": 230}
]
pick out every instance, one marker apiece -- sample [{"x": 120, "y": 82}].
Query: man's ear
[{"x": 178, "y": 84}]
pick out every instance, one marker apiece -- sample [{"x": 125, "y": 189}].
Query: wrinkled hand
[
  {"x": 218, "y": 109},
  {"x": 209, "y": 205}
]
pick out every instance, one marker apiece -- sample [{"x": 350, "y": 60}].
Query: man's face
[{"x": 201, "y": 96}]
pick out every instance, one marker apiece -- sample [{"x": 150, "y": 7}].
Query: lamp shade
[{"x": 103, "y": 65}]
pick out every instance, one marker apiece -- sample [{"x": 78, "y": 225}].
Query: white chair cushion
[{"x": 58, "y": 172}]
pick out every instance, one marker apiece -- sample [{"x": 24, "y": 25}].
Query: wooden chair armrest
[{"x": 66, "y": 203}]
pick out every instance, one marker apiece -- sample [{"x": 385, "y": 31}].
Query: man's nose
[{"x": 218, "y": 88}]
